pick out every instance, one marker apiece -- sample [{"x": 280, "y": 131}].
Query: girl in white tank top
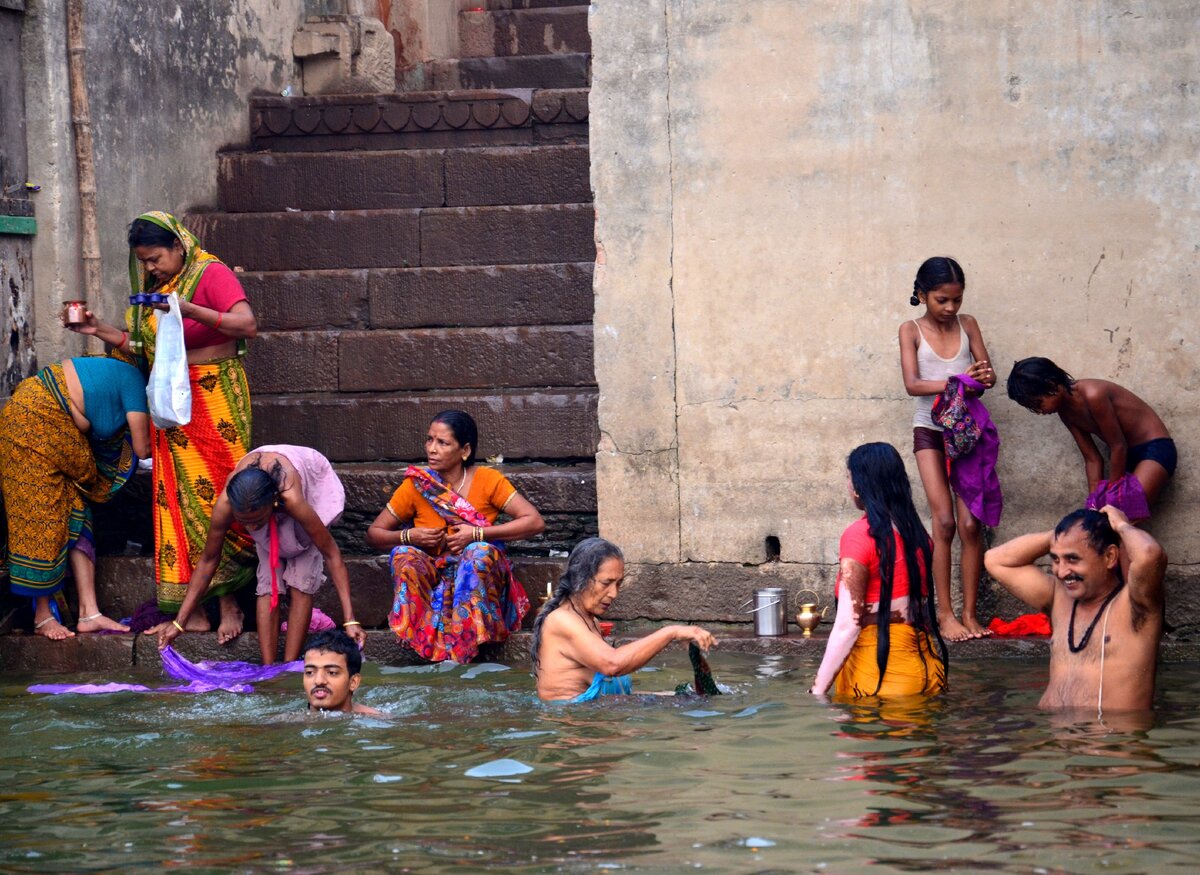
[{"x": 940, "y": 344}]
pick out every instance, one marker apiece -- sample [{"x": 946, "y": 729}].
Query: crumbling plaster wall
[
  {"x": 168, "y": 85},
  {"x": 768, "y": 176}
]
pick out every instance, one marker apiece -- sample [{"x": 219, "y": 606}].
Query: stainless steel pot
[{"x": 770, "y": 611}]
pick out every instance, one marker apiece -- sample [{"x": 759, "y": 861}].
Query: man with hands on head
[{"x": 1105, "y": 629}]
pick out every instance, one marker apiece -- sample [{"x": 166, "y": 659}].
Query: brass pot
[{"x": 810, "y": 615}]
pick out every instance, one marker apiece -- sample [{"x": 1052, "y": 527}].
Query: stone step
[
  {"x": 551, "y": 488},
  {"x": 415, "y": 359},
  {"x": 542, "y": 425},
  {"x": 403, "y": 179},
  {"x": 121, "y": 656},
  {"x": 558, "y": 30},
  {"x": 487, "y": 296},
  {"x": 568, "y": 70},
  {"x": 529, "y": 4},
  {"x": 124, "y": 582},
  {"x": 565, "y": 495},
  {"x": 437, "y": 237},
  {"x": 420, "y": 119}
]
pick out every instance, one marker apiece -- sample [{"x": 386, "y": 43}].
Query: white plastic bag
[{"x": 169, "y": 392}]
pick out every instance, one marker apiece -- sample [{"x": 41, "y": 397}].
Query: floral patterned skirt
[
  {"x": 191, "y": 464},
  {"x": 445, "y": 607}
]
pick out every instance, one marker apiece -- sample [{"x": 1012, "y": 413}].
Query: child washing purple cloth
[
  {"x": 286, "y": 497},
  {"x": 1141, "y": 453}
]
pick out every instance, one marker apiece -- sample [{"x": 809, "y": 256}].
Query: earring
[{"x": 465, "y": 458}]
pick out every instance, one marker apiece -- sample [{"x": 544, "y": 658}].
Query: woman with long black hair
[{"x": 883, "y": 638}]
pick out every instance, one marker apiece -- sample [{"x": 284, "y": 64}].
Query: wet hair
[
  {"x": 143, "y": 232},
  {"x": 253, "y": 488},
  {"x": 1098, "y": 531},
  {"x": 1034, "y": 378},
  {"x": 934, "y": 272},
  {"x": 463, "y": 427},
  {"x": 878, "y": 476},
  {"x": 582, "y": 566},
  {"x": 337, "y": 641}
]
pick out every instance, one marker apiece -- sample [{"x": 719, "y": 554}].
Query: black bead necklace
[{"x": 1087, "y": 636}]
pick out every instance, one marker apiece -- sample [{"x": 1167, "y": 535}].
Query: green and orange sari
[{"x": 192, "y": 462}]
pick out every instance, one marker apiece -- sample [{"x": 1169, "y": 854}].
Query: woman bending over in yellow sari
[
  {"x": 454, "y": 586},
  {"x": 192, "y": 462},
  {"x": 882, "y": 643},
  {"x": 68, "y": 435}
]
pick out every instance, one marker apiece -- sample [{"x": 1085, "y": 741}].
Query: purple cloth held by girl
[
  {"x": 1125, "y": 494},
  {"x": 202, "y": 677},
  {"x": 973, "y": 476}
]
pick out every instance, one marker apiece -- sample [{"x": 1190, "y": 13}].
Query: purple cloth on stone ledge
[{"x": 202, "y": 677}]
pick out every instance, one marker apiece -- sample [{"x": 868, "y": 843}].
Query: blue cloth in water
[{"x": 602, "y": 685}]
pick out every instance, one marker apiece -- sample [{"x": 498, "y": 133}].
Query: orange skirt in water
[{"x": 913, "y": 666}]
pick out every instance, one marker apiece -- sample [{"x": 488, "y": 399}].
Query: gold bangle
[
  {"x": 404, "y": 536},
  {"x": 175, "y": 623},
  {"x": 351, "y": 623}
]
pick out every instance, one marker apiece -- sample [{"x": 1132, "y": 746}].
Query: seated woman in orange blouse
[{"x": 454, "y": 585}]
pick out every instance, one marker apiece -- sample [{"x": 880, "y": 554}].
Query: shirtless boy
[
  {"x": 1138, "y": 441},
  {"x": 571, "y": 659},
  {"x": 332, "y": 672},
  {"x": 1105, "y": 631}
]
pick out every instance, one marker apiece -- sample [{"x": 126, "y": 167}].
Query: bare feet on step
[
  {"x": 975, "y": 628},
  {"x": 48, "y": 627},
  {"x": 231, "y": 620},
  {"x": 952, "y": 630},
  {"x": 99, "y": 623}
]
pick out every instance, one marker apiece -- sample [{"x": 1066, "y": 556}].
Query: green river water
[{"x": 764, "y": 779}]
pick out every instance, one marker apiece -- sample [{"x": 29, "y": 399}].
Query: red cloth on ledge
[{"x": 1026, "y": 624}]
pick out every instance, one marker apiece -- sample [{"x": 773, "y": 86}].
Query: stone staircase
[
  {"x": 514, "y": 44},
  {"x": 411, "y": 252}
]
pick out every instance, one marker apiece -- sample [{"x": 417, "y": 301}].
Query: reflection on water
[{"x": 471, "y": 774}]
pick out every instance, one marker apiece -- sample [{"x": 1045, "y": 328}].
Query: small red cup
[{"x": 606, "y": 628}]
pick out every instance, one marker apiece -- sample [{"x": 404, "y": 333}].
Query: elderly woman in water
[
  {"x": 191, "y": 462},
  {"x": 571, "y": 660},
  {"x": 883, "y": 635},
  {"x": 454, "y": 586}
]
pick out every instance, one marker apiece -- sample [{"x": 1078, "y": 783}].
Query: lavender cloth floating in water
[
  {"x": 202, "y": 677},
  {"x": 221, "y": 673}
]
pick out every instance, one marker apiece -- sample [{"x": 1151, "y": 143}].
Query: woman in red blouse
[
  {"x": 191, "y": 462},
  {"x": 882, "y": 643}
]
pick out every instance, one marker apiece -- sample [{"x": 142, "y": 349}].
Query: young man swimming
[{"x": 332, "y": 672}]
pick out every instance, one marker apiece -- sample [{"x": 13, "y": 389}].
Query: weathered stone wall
[
  {"x": 768, "y": 176},
  {"x": 168, "y": 86}
]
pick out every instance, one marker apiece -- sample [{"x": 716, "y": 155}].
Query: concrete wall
[
  {"x": 168, "y": 86},
  {"x": 16, "y": 268},
  {"x": 768, "y": 176}
]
